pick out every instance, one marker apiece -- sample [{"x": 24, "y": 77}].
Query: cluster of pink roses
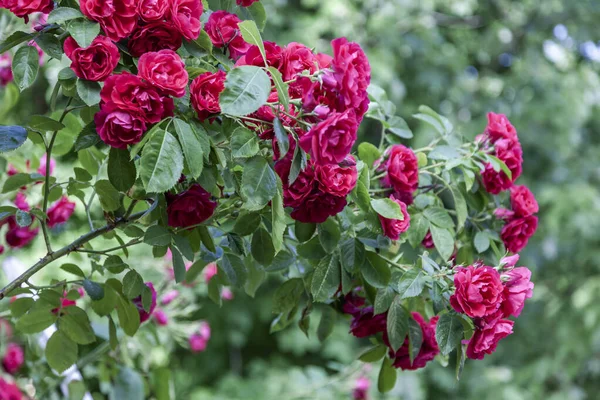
[
  {"x": 23, "y": 8},
  {"x": 489, "y": 297}
]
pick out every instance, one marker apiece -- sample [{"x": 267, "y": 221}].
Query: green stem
[
  {"x": 132, "y": 243},
  {"x": 395, "y": 264}
]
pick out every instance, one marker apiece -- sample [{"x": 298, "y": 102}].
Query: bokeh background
[{"x": 536, "y": 61}]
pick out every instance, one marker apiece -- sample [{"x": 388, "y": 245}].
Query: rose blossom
[
  {"x": 402, "y": 168},
  {"x": 429, "y": 347},
  {"x": 485, "y": 340},
  {"x": 209, "y": 271},
  {"x": 295, "y": 195},
  {"x": 154, "y": 36},
  {"x": 9, "y": 391},
  {"x": 366, "y": 324},
  {"x": 479, "y": 291},
  {"x": 153, "y": 10},
  {"x": 160, "y": 317},
  {"x": 169, "y": 297},
  {"x": 60, "y": 212},
  {"x": 509, "y": 261},
  {"x": 335, "y": 179},
  {"x": 185, "y": 15},
  {"x": 223, "y": 30},
  {"x": 191, "y": 207},
  {"x": 517, "y": 288},
  {"x": 204, "y": 93},
  {"x": 522, "y": 201},
  {"x": 95, "y": 62},
  {"x": 145, "y": 315},
  {"x": 245, "y": 3},
  {"x": 318, "y": 207},
  {"x": 361, "y": 388},
  {"x": 428, "y": 241},
  {"x": 516, "y": 233},
  {"x": 226, "y": 294},
  {"x": 199, "y": 340},
  {"x": 392, "y": 228},
  {"x": 296, "y": 59},
  {"x": 42, "y": 168},
  {"x": 14, "y": 358},
  {"x": 330, "y": 141},
  {"x": 119, "y": 129},
  {"x": 499, "y": 127},
  {"x": 273, "y": 53},
  {"x": 22, "y": 8},
  {"x": 509, "y": 152},
  {"x": 18, "y": 237},
  {"x": 6, "y": 75},
  {"x": 164, "y": 70},
  {"x": 117, "y": 18}
]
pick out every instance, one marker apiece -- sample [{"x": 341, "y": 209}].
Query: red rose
[
  {"x": 392, "y": 228},
  {"x": 164, "y": 70},
  {"x": 429, "y": 347},
  {"x": 516, "y": 233},
  {"x": 204, "y": 93},
  {"x": 191, "y": 207},
  {"x": 330, "y": 141},
  {"x": 365, "y": 324},
  {"x": 22, "y": 8},
  {"x": 402, "y": 168},
  {"x": 428, "y": 241},
  {"x": 253, "y": 57},
  {"x": 517, "y": 288},
  {"x": 13, "y": 358},
  {"x": 318, "y": 207},
  {"x": 60, "y": 212},
  {"x": 185, "y": 15},
  {"x": 117, "y": 18},
  {"x": 295, "y": 195},
  {"x": 353, "y": 74},
  {"x": 510, "y": 152},
  {"x": 223, "y": 30},
  {"x": 499, "y": 127},
  {"x": 95, "y": 62},
  {"x": 119, "y": 128},
  {"x": 154, "y": 36},
  {"x": 127, "y": 92},
  {"x": 18, "y": 237},
  {"x": 297, "y": 58},
  {"x": 145, "y": 315},
  {"x": 153, "y": 10},
  {"x": 485, "y": 340},
  {"x": 478, "y": 291},
  {"x": 335, "y": 179},
  {"x": 245, "y": 3},
  {"x": 523, "y": 201},
  {"x": 9, "y": 391}
]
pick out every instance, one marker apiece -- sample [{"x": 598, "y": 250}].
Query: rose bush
[{"x": 237, "y": 158}]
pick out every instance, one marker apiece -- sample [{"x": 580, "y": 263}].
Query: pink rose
[
  {"x": 523, "y": 201},
  {"x": 366, "y": 324},
  {"x": 273, "y": 52},
  {"x": 245, "y": 3},
  {"x": 485, "y": 340},
  {"x": 164, "y": 70},
  {"x": 199, "y": 340},
  {"x": 516, "y": 233},
  {"x": 6, "y": 75},
  {"x": 392, "y": 228},
  {"x": 296, "y": 59},
  {"x": 14, "y": 358},
  {"x": 95, "y": 62},
  {"x": 510, "y": 152},
  {"x": 9, "y": 391},
  {"x": 335, "y": 179},
  {"x": 185, "y": 15},
  {"x": 318, "y": 207},
  {"x": 402, "y": 168},
  {"x": 509, "y": 261},
  {"x": 169, "y": 297},
  {"x": 154, "y": 36},
  {"x": 204, "y": 93},
  {"x": 117, "y": 18},
  {"x": 161, "y": 318},
  {"x": 60, "y": 212},
  {"x": 42, "y": 168},
  {"x": 429, "y": 347},
  {"x": 191, "y": 207},
  {"x": 145, "y": 315},
  {"x": 361, "y": 388},
  {"x": 294, "y": 195},
  {"x": 223, "y": 30},
  {"x": 22, "y": 8},
  {"x": 226, "y": 294},
  {"x": 499, "y": 127},
  {"x": 479, "y": 291},
  {"x": 153, "y": 10},
  {"x": 119, "y": 129},
  {"x": 330, "y": 141},
  {"x": 517, "y": 288}
]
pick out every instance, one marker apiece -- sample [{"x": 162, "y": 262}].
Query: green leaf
[
  {"x": 128, "y": 385},
  {"x": 20, "y": 306},
  {"x": 499, "y": 165},
  {"x": 439, "y": 217},
  {"x": 108, "y": 195},
  {"x": 257, "y": 13},
  {"x": 368, "y": 153},
  {"x": 288, "y": 295},
  {"x": 88, "y": 137},
  {"x": 234, "y": 268},
  {"x": 162, "y": 162},
  {"x": 93, "y": 289},
  {"x": 128, "y": 314},
  {"x": 178, "y": 265},
  {"x": 282, "y": 89},
  {"x": 375, "y": 270},
  {"x": 311, "y": 250},
  {"x": 251, "y": 34},
  {"x": 441, "y": 123},
  {"x": 23, "y": 218},
  {"x": 192, "y": 147},
  {"x": 327, "y": 323},
  {"x": 373, "y": 354},
  {"x": 12, "y": 137},
  {"x": 75, "y": 323},
  {"x": 397, "y": 323},
  {"x": 184, "y": 246},
  {"x": 278, "y": 218},
  {"x": 246, "y": 224},
  {"x": 44, "y": 124},
  {"x": 25, "y": 66},
  {"x": 36, "y": 321},
  {"x": 156, "y": 235},
  {"x": 419, "y": 226},
  {"x": 83, "y": 31},
  {"x": 383, "y": 300},
  {"x": 298, "y": 164},
  {"x": 132, "y": 284},
  {"x": 63, "y": 14},
  {"x": 244, "y": 143},
  {"x": 107, "y": 303},
  {"x": 387, "y": 376},
  {"x": 481, "y": 241},
  {"x": 448, "y": 332},
  {"x": 61, "y": 352},
  {"x": 411, "y": 284},
  {"x": 304, "y": 232},
  {"x": 121, "y": 170},
  {"x": 460, "y": 206},
  {"x": 399, "y": 127},
  {"x": 50, "y": 44},
  {"x": 72, "y": 269},
  {"x": 443, "y": 241},
  {"x": 17, "y": 181},
  {"x": 259, "y": 184},
  {"x": 263, "y": 250},
  {"x": 353, "y": 254},
  {"x": 88, "y": 91},
  {"x": 283, "y": 141},
  {"x": 415, "y": 339},
  {"x": 14, "y": 40},
  {"x": 329, "y": 234},
  {"x": 326, "y": 278},
  {"x": 247, "y": 88},
  {"x": 115, "y": 264},
  {"x": 387, "y": 208}
]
